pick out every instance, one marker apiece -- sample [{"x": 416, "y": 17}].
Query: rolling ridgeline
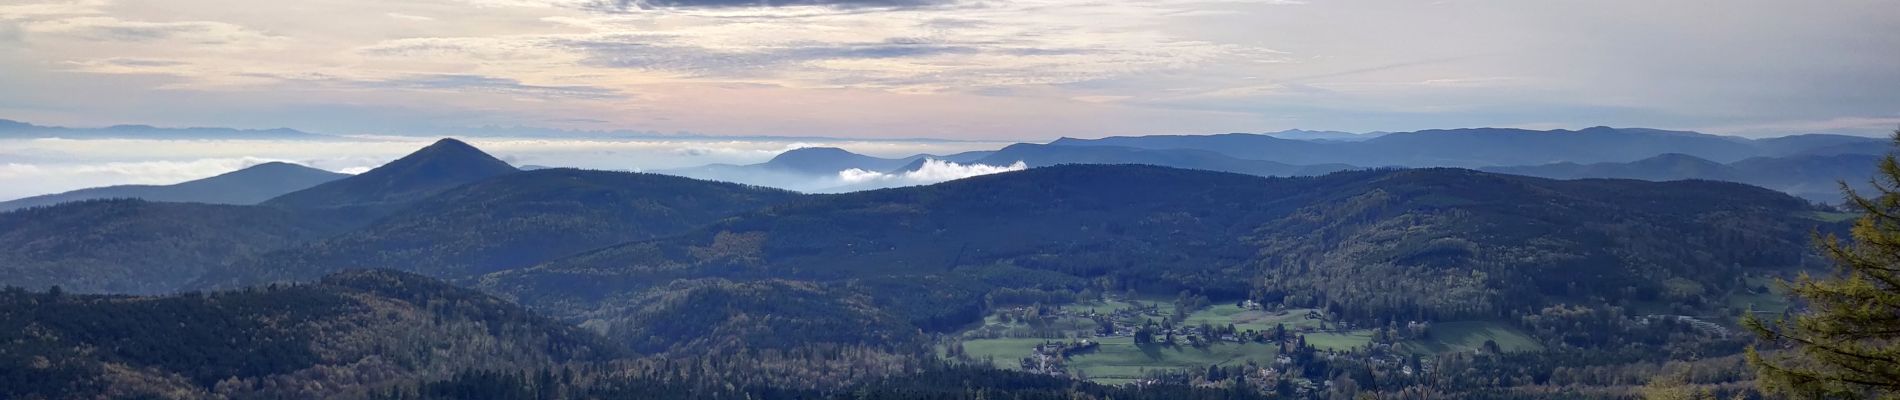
[
  {"x": 1808, "y": 166},
  {"x": 616, "y": 279}
]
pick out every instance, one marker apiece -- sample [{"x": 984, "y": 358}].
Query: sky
[
  {"x": 388, "y": 76},
  {"x": 1021, "y": 70}
]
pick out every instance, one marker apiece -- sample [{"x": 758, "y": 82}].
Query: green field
[
  {"x": 1469, "y": 336},
  {"x": 1340, "y": 341},
  {"x": 1119, "y": 358},
  {"x": 1773, "y": 302},
  {"x": 1003, "y": 352}
]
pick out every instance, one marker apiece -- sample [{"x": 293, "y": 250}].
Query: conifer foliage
[{"x": 1847, "y": 342}]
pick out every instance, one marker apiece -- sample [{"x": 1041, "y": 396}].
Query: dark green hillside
[
  {"x": 136, "y": 246},
  {"x": 351, "y": 332},
  {"x": 1465, "y": 244},
  {"x": 446, "y": 164},
  {"x": 511, "y": 221},
  {"x": 721, "y": 317},
  {"x": 1816, "y": 178},
  {"x": 1429, "y": 243},
  {"x": 1179, "y": 228},
  {"x": 1666, "y": 167}
]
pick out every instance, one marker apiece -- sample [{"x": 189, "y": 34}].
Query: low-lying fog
[{"x": 39, "y": 166}]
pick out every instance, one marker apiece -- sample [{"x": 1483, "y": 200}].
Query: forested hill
[
  {"x": 1813, "y": 177},
  {"x": 1451, "y": 243},
  {"x": 137, "y": 246},
  {"x": 1439, "y": 243},
  {"x": 441, "y": 166},
  {"x": 516, "y": 220},
  {"x": 339, "y": 338}
]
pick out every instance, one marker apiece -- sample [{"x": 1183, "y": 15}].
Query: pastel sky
[{"x": 965, "y": 69}]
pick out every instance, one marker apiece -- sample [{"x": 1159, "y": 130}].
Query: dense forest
[
  {"x": 511, "y": 221},
  {"x": 340, "y": 336},
  {"x": 141, "y": 247},
  {"x": 1527, "y": 243}
]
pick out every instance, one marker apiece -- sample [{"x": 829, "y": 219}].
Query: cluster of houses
[{"x": 1048, "y": 357}]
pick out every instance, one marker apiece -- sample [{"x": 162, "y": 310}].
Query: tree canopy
[{"x": 1847, "y": 342}]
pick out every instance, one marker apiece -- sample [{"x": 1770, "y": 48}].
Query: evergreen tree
[{"x": 1847, "y": 342}]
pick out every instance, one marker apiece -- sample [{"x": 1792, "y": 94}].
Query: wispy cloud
[
  {"x": 476, "y": 83},
  {"x": 1019, "y": 68},
  {"x": 50, "y": 9},
  {"x": 210, "y": 33},
  {"x": 408, "y": 17}
]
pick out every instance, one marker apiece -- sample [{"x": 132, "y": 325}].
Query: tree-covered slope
[
  {"x": 723, "y": 317},
  {"x": 1447, "y": 243},
  {"x": 137, "y": 246},
  {"x": 1081, "y": 219},
  {"x": 341, "y": 337},
  {"x": 441, "y": 166},
  {"x": 512, "y": 221},
  {"x": 1666, "y": 167},
  {"x": 1440, "y": 242},
  {"x": 1815, "y": 177}
]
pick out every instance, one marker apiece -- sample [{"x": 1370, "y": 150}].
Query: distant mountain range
[
  {"x": 10, "y": 129},
  {"x": 250, "y": 185},
  {"x": 810, "y": 169},
  {"x": 1301, "y": 134},
  {"x": 1488, "y": 147},
  {"x": 1812, "y": 177},
  {"x": 1805, "y": 165},
  {"x": 1817, "y": 161},
  {"x": 1044, "y": 155}
]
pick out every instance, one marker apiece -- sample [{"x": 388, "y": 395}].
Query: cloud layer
[
  {"x": 41, "y": 166},
  {"x": 1019, "y": 69}
]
